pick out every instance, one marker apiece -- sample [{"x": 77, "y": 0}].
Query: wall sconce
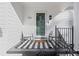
[{"x": 50, "y": 17}]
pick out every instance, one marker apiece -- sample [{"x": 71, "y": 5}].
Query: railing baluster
[
  {"x": 66, "y": 36},
  {"x": 72, "y": 38}
]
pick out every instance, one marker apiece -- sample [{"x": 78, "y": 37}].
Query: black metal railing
[
  {"x": 64, "y": 38},
  {"x": 65, "y": 33}
]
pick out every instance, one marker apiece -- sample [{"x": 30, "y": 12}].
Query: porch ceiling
[{"x": 20, "y": 7}]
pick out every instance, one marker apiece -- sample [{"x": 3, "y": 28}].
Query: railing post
[
  {"x": 56, "y": 40},
  {"x": 22, "y": 38},
  {"x": 72, "y": 38},
  {"x": 55, "y": 33}
]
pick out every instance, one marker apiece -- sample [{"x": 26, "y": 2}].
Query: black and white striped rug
[{"x": 36, "y": 44}]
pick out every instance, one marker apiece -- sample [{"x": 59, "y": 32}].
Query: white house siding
[{"x": 10, "y": 28}]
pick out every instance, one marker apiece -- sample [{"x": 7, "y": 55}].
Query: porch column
[{"x": 76, "y": 25}]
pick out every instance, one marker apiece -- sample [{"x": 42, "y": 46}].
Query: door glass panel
[{"x": 40, "y": 24}]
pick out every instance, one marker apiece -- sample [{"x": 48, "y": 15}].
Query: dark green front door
[{"x": 40, "y": 24}]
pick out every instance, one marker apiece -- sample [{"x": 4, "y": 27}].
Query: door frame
[{"x": 46, "y": 19}]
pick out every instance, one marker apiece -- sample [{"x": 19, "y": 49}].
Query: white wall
[
  {"x": 62, "y": 20},
  {"x": 76, "y": 26},
  {"x": 10, "y": 26}
]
